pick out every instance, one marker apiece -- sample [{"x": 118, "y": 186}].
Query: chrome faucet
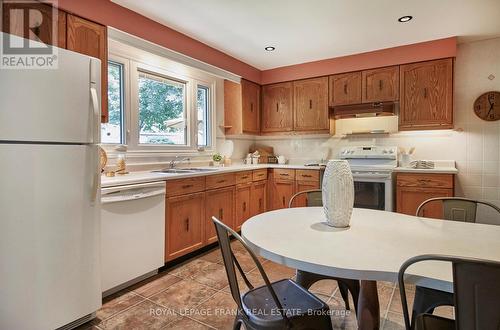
[{"x": 176, "y": 161}]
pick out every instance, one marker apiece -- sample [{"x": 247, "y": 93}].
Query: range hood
[{"x": 365, "y": 110}]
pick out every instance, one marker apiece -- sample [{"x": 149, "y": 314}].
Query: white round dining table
[{"x": 371, "y": 249}]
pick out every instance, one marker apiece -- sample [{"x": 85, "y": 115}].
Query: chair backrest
[
  {"x": 458, "y": 208},
  {"x": 313, "y": 198},
  {"x": 476, "y": 286},
  {"x": 223, "y": 232}
]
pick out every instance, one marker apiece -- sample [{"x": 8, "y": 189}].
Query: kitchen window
[
  {"x": 112, "y": 131},
  {"x": 203, "y": 107},
  {"x": 162, "y": 110},
  {"x": 157, "y": 105}
]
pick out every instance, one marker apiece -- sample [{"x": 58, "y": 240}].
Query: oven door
[{"x": 373, "y": 192}]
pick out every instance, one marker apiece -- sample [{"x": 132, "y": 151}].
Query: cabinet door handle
[
  {"x": 221, "y": 214},
  {"x": 187, "y": 186},
  {"x": 345, "y": 88},
  {"x": 310, "y": 104},
  {"x": 380, "y": 84},
  {"x": 260, "y": 204},
  {"x": 187, "y": 224},
  {"x": 425, "y": 92},
  {"x": 307, "y": 175},
  {"x": 277, "y": 107},
  {"x": 283, "y": 174},
  {"x": 244, "y": 206},
  {"x": 244, "y": 177},
  {"x": 221, "y": 181},
  {"x": 283, "y": 201},
  {"x": 251, "y": 106}
]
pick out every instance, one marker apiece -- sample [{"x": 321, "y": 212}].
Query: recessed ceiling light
[
  {"x": 405, "y": 19},
  {"x": 270, "y": 48}
]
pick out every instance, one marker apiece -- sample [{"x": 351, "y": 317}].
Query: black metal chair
[
  {"x": 307, "y": 279},
  {"x": 279, "y": 305},
  {"x": 454, "y": 209},
  {"x": 476, "y": 286},
  {"x": 458, "y": 208}
]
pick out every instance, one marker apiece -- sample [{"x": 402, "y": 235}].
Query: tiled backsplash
[{"x": 474, "y": 144}]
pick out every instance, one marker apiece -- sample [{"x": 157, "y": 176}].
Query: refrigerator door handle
[
  {"x": 97, "y": 119},
  {"x": 96, "y": 175}
]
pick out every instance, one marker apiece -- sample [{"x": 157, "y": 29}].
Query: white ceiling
[{"x": 304, "y": 31}]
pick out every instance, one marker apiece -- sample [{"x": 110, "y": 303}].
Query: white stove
[{"x": 372, "y": 168}]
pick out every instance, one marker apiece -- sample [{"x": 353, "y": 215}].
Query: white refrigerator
[{"x": 49, "y": 194}]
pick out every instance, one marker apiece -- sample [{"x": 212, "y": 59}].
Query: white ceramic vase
[{"x": 338, "y": 193}]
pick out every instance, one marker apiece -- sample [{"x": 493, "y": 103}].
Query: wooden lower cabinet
[
  {"x": 258, "y": 194},
  {"x": 219, "y": 204},
  {"x": 242, "y": 212},
  {"x": 185, "y": 225},
  {"x": 280, "y": 193},
  {"x": 301, "y": 200},
  {"x": 414, "y": 188}
]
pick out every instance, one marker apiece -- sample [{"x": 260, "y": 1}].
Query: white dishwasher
[{"x": 132, "y": 235}]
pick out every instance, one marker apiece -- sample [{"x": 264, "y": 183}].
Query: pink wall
[
  {"x": 111, "y": 14},
  {"x": 391, "y": 56}
]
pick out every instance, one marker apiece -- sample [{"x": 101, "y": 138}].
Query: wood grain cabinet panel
[
  {"x": 241, "y": 107},
  {"x": 185, "y": 223},
  {"x": 301, "y": 200},
  {"x": 219, "y": 204},
  {"x": 345, "y": 89},
  {"x": 414, "y": 188},
  {"x": 277, "y": 108},
  {"x": 185, "y": 186},
  {"x": 310, "y": 104},
  {"x": 243, "y": 177},
  {"x": 258, "y": 195},
  {"x": 220, "y": 180},
  {"x": 250, "y": 107},
  {"x": 279, "y": 193},
  {"x": 41, "y": 18},
  {"x": 91, "y": 39},
  {"x": 380, "y": 85},
  {"x": 426, "y": 92},
  {"x": 258, "y": 175},
  {"x": 242, "y": 212}
]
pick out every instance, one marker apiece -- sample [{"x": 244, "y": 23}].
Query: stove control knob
[
  {"x": 384, "y": 151},
  {"x": 391, "y": 151}
]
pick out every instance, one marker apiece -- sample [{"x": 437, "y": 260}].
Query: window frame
[{"x": 135, "y": 59}]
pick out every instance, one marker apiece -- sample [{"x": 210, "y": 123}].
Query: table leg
[{"x": 368, "y": 312}]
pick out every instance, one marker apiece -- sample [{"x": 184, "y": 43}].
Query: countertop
[
  {"x": 143, "y": 177},
  {"x": 441, "y": 167}
]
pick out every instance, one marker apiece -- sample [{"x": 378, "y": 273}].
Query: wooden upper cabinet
[
  {"x": 310, "y": 104},
  {"x": 426, "y": 95},
  {"x": 380, "y": 85},
  {"x": 241, "y": 107},
  {"x": 277, "y": 112},
  {"x": 91, "y": 39},
  {"x": 345, "y": 89},
  {"x": 41, "y": 22},
  {"x": 250, "y": 106}
]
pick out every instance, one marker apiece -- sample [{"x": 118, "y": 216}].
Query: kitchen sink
[{"x": 185, "y": 170}]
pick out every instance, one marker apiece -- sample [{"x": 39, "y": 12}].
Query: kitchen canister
[{"x": 338, "y": 193}]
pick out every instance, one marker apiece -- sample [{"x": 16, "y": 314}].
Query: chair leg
[
  {"x": 427, "y": 299},
  {"x": 237, "y": 323},
  {"x": 306, "y": 280},
  {"x": 344, "y": 292}
]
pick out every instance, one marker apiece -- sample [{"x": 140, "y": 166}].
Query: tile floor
[{"x": 195, "y": 295}]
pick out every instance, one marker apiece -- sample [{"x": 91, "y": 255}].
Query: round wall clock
[{"x": 487, "y": 106}]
